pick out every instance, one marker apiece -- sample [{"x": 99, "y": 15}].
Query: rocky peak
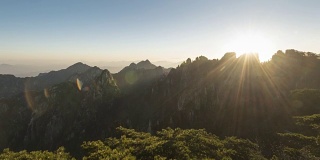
[
  {"x": 132, "y": 65},
  {"x": 78, "y": 67},
  {"x": 141, "y": 65},
  {"x": 146, "y": 65},
  {"x": 86, "y": 77},
  {"x": 104, "y": 86},
  {"x": 105, "y": 76}
]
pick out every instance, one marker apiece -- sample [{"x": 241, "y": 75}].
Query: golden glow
[
  {"x": 28, "y": 95},
  {"x": 251, "y": 42},
  {"x": 79, "y": 84},
  {"x": 46, "y": 93}
]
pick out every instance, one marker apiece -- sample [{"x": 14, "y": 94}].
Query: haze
[{"x": 60, "y": 32}]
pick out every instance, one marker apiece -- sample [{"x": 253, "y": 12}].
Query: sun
[{"x": 251, "y": 42}]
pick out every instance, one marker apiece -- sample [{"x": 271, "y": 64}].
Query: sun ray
[{"x": 251, "y": 42}]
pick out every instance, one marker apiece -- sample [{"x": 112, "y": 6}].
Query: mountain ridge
[{"x": 229, "y": 97}]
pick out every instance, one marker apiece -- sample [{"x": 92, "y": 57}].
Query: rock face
[
  {"x": 10, "y": 85},
  {"x": 51, "y": 109},
  {"x": 68, "y": 114},
  {"x": 14, "y": 118},
  {"x": 86, "y": 77},
  {"x": 231, "y": 96},
  {"x": 39, "y": 114}
]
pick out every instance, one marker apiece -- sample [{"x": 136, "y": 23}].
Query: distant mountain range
[
  {"x": 25, "y": 70},
  {"x": 14, "y": 85},
  {"x": 29, "y": 70}
]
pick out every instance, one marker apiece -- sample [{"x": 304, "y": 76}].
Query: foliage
[
  {"x": 312, "y": 121},
  {"x": 245, "y": 149},
  {"x": 98, "y": 150},
  {"x": 171, "y": 144},
  {"x": 300, "y": 146},
  {"x": 25, "y": 155}
]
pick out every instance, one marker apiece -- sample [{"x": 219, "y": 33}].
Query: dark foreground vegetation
[
  {"x": 231, "y": 108},
  {"x": 188, "y": 144}
]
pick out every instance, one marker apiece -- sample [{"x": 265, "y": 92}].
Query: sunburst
[{"x": 251, "y": 42}]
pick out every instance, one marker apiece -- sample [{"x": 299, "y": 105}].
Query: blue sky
[{"x": 172, "y": 30}]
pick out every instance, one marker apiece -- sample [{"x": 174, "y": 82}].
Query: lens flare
[
  {"x": 29, "y": 99},
  {"x": 27, "y": 94},
  {"x": 46, "y": 93},
  {"x": 86, "y": 88},
  {"x": 131, "y": 77},
  {"x": 79, "y": 84}
]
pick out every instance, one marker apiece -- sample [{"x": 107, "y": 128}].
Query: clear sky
[{"x": 172, "y": 30}]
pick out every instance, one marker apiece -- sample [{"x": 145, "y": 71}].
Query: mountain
[
  {"x": 54, "y": 77},
  {"x": 145, "y": 65},
  {"x": 33, "y": 69},
  {"x": 117, "y": 66},
  {"x": 61, "y": 120},
  {"x": 141, "y": 65},
  {"x": 142, "y": 73},
  {"x": 87, "y": 76},
  {"x": 74, "y": 95},
  {"x": 61, "y": 114},
  {"x": 229, "y": 97},
  {"x": 15, "y": 85}
]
